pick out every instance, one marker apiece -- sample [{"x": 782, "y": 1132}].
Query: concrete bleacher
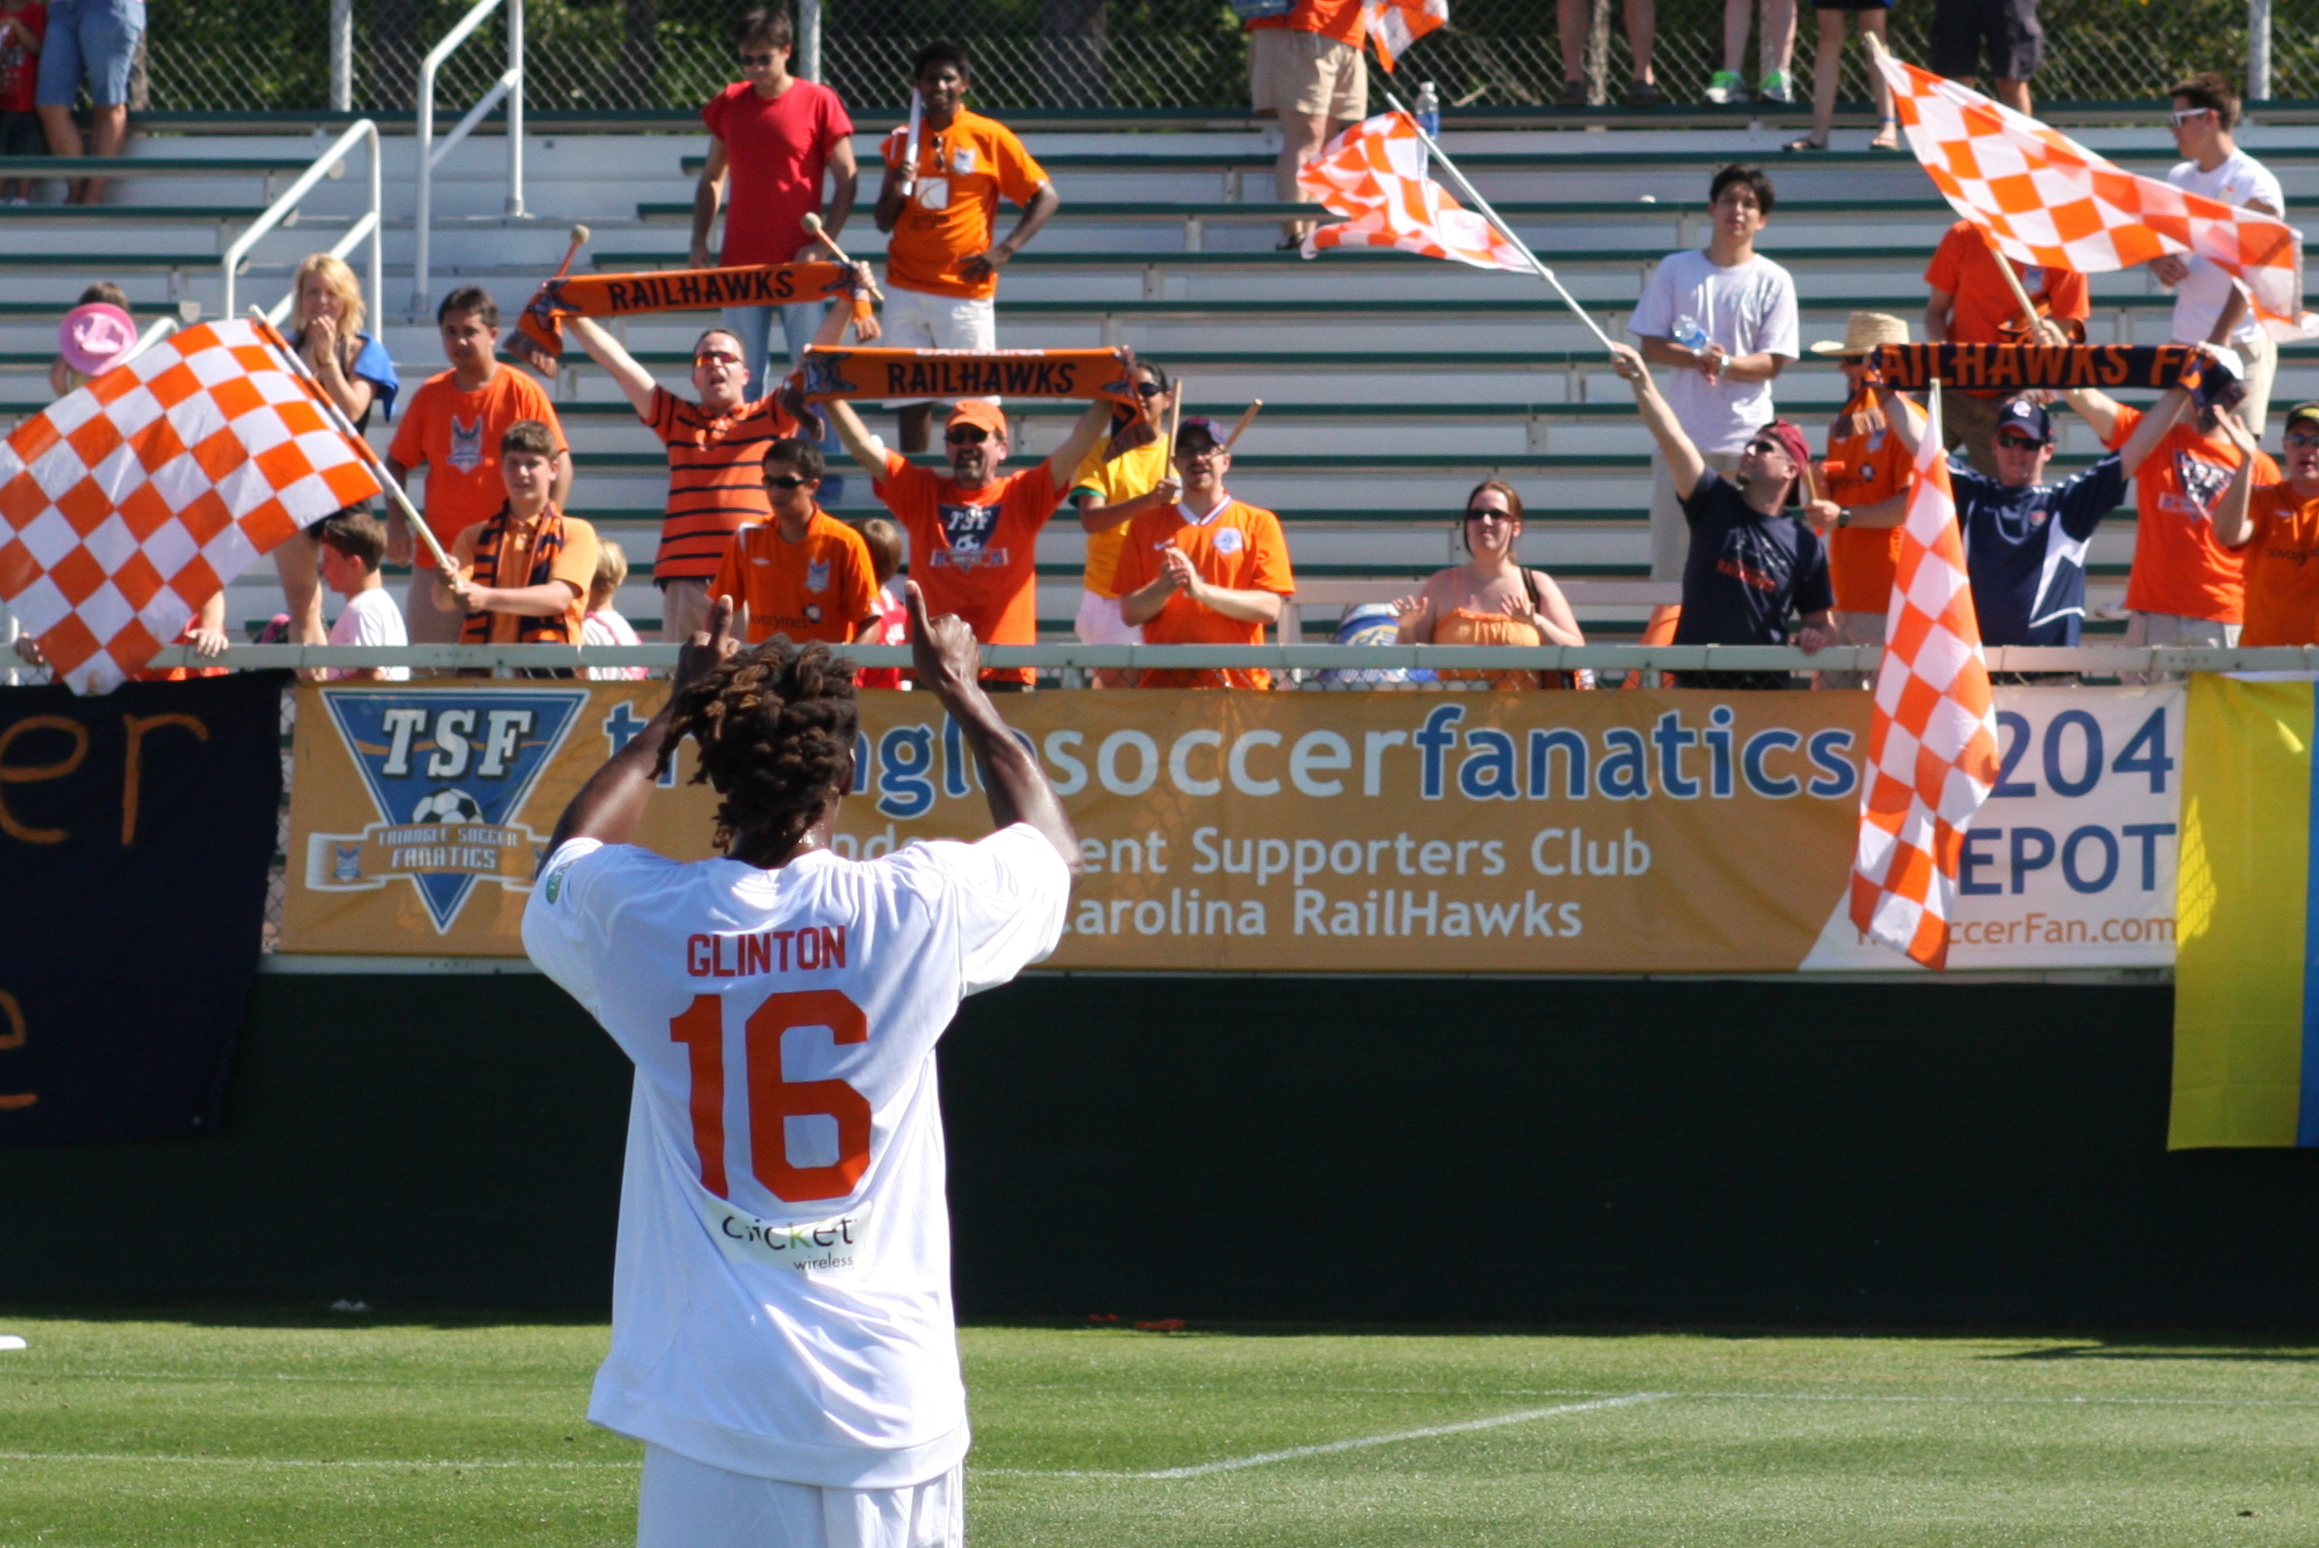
[{"x": 1391, "y": 383}]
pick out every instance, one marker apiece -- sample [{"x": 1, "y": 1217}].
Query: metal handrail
[
  {"x": 2102, "y": 660},
  {"x": 508, "y": 87},
  {"x": 331, "y": 163}
]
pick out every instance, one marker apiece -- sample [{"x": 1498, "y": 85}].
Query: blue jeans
[
  {"x": 799, "y": 322},
  {"x": 96, "y": 38}
]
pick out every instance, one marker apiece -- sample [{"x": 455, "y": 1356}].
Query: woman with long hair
[
  {"x": 1491, "y": 599},
  {"x": 354, "y": 369}
]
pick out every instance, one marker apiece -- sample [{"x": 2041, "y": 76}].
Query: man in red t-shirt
[
  {"x": 1972, "y": 304},
  {"x": 974, "y": 536},
  {"x": 23, "y": 23},
  {"x": 777, "y": 138}
]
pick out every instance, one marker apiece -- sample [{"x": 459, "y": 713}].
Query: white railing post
[
  {"x": 2258, "y": 50},
  {"x": 281, "y": 209},
  {"x": 423, "y": 217},
  {"x": 515, "y": 107},
  {"x": 809, "y": 39},
  {"x": 342, "y": 60}
]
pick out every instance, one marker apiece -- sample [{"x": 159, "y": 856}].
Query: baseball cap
[
  {"x": 96, "y": 337},
  {"x": 2027, "y": 418},
  {"x": 1201, "y": 424},
  {"x": 1791, "y": 439},
  {"x": 2308, "y": 411},
  {"x": 979, "y": 411}
]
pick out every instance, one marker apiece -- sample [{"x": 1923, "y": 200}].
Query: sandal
[
  {"x": 1887, "y": 135},
  {"x": 1807, "y": 143}
]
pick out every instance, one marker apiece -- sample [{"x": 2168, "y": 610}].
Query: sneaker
[
  {"x": 1776, "y": 87},
  {"x": 1644, "y": 94},
  {"x": 1725, "y": 87}
]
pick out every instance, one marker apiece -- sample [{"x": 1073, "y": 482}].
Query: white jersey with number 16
[{"x": 781, "y": 1298}]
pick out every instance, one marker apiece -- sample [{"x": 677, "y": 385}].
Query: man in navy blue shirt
[
  {"x": 1751, "y": 564},
  {"x": 2025, "y": 540}
]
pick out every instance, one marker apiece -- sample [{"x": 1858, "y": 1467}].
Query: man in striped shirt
[{"x": 716, "y": 451}]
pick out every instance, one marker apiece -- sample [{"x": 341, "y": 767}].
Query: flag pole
[
  {"x": 1472, "y": 196},
  {"x": 280, "y": 349}
]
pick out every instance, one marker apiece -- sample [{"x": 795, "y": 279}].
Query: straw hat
[{"x": 1865, "y": 333}]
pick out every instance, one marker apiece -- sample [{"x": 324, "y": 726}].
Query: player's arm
[
  {"x": 946, "y": 659},
  {"x": 635, "y": 382},
  {"x": 611, "y": 804}
]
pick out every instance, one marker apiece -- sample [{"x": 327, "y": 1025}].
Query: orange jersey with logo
[
  {"x": 1866, "y": 464},
  {"x": 975, "y": 552},
  {"x": 2178, "y": 566},
  {"x": 2282, "y": 569},
  {"x": 1239, "y": 547},
  {"x": 816, "y": 588},
  {"x": 963, "y": 172},
  {"x": 716, "y": 478},
  {"x": 455, "y": 435}
]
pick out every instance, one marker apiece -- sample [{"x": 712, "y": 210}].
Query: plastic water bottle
[
  {"x": 1428, "y": 112},
  {"x": 1688, "y": 333}
]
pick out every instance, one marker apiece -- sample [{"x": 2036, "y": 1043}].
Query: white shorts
[
  {"x": 688, "y": 1504},
  {"x": 913, "y": 319},
  {"x": 1101, "y": 623}
]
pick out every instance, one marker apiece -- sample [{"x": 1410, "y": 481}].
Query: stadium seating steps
[{"x": 1392, "y": 383}]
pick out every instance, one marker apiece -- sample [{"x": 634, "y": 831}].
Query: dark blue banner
[{"x": 135, "y": 834}]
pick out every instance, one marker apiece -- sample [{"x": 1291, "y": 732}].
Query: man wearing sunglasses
[
  {"x": 716, "y": 444},
  {"x": 2277, "y": 526},
  {"x": 804, "y": 573},
  {"x": 974, "y": 536},
  {"x": 2209, "y": 307},
  {"x": 1752, "y": 564},
  {"x": 776, "y": 139}
]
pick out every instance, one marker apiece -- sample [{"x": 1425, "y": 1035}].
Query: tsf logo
[
  {"x": 2202, "y": 484},
  {"x": 448, "y": 774}
]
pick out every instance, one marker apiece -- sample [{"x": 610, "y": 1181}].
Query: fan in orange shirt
[
  {"x": 1216, "y": 577},
  {"x": 1970, "y": 303},
  {"x": 940, "y": 210},
  {"x": 974, "y": 536},
  {"x": 2276, "y": 526},
  {"x": 804, "y": 573},
  {"x": 1865, "y": 482}
]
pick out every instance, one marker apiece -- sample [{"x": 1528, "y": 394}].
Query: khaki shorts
[
  {"x": 423, "y": 621},
  {"x": 1854, "y": 629},
  {"x": 2173, "y": 629},
  {"x": 1302, "y": 72},
  {"x": 684, "y": 608}
]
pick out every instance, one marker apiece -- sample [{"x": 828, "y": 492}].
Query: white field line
[
  {"x": 385, "y": 1462},
  {"x": 1297, "y": 1453}
]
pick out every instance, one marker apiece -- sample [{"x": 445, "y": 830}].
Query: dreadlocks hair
[{"x": 776, "y": 727}]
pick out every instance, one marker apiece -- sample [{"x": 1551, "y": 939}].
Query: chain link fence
[{"x": 252, "y": 55}]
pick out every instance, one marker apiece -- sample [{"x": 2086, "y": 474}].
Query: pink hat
[{"x": 96, "y": 337}]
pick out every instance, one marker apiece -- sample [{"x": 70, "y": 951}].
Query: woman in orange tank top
[{"x": 1491, "y": 599}]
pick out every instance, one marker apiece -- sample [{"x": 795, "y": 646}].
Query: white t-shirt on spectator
[
  {"x": 371, "y": 618},
  {"x": 2205, "y": 290},
  {"x": 1749, "y": 309},
  {"x": 781, "y": 1291}
]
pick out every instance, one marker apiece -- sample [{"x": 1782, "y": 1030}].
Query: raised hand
[
  {"x": 943, "y": 651},
  {"x": 708, "y": 647}
]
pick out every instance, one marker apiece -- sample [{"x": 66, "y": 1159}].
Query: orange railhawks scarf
[
  {"x": 679, "y": 290},
  {"x": 842, "y": 372}
]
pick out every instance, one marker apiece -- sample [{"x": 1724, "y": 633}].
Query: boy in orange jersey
[
  {"x": 974, "y": 536},
  {"x": 715, "y": 448},
  {"x": 804, "y": 573},
  {"x": 452, "y": 427},
  {"x": 1865, "y": 484},
  {"x": 2187, "y": 587},
  {"x": 941, "y": 265},
  {"x": 1208, "y": 570},
  {"x": 2281, "y": 523},
  {"x": 522, "y": 576}
]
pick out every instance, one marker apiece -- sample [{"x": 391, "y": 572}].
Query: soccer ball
[{"x": 447, "y": 806}]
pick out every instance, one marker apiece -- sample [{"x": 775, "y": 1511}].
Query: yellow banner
[{"x": 1298, "y": 832}]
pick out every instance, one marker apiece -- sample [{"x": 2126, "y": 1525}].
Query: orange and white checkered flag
[
  {"x": 128, "y": 504},
  {"x": 2046, "y": 200},
  {"x": 1932, "y": 738},
  {"x": 1374, "y": 175},
  {"x": 1395, "y": 24}
]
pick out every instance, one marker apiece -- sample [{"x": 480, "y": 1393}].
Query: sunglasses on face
[
  {"x": 2302, "y": 438},
  {"x": 715, "y": 357},
  {"x": 2185, "y": 115},
  {"x": 1762, "y": 448},
  {"x": 969, "y": 436},
  {"x": 2018, "y": 443},
  {"x": 1489, "y": 515},
  {"x": 1148, "y": 389},
  {"x": 756, "y": 61},
  {"x": 785, "y": 481}
]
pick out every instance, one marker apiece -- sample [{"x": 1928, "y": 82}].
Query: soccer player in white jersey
[{"x": 782, "y": 1335}]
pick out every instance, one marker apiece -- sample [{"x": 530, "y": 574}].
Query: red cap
[{"x": 1792, "y": 441}]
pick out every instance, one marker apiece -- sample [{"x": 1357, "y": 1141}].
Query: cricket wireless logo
[{"x": 448, "y": 774}]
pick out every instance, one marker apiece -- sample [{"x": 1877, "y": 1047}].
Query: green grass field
[{"x": 224, "y": 1430}]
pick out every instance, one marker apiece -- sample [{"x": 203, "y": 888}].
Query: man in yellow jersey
[{"x": 1115, "y": 485}]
